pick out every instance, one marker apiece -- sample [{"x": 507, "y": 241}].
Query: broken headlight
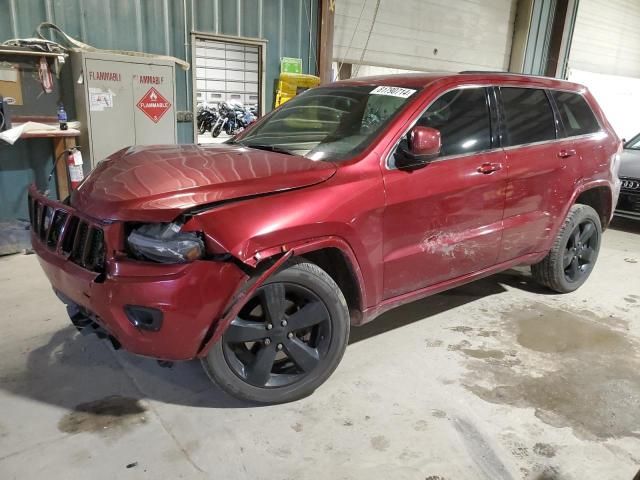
[{"x": 165, "y": 243}]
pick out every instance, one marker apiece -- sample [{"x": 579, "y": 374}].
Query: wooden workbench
[{"x": 62, "y": 139}]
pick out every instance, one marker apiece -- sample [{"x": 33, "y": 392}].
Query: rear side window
[
  {"x": 462, "y": 117},
  {"x": 576, "y": 115},
  {"x": 528, "y": 116}
]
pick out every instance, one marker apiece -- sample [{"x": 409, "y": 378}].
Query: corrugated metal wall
[
  {"x": 158, "y": 26},
  {"x": 606, "y": 37},
  {"x": 154, "y": 26},
  {"x": 437, "y": 35}
]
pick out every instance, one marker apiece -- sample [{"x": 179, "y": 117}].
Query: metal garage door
[
  {"x": 436, "y": 35},
  {"x": 606, "y": 37},
  {"x": 227, "y": 71}
]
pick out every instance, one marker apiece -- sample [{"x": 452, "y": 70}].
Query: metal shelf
[{"x": 26, "y": 51}]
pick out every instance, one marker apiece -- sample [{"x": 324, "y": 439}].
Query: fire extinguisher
[{"x": 74, "y": 165}]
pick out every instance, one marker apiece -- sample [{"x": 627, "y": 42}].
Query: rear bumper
[{"x": 191, "y": 297}]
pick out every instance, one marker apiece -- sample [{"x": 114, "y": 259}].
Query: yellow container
[{"x": 291, "y": 84}]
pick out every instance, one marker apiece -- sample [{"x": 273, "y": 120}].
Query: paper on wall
[
  {"x": 8, "y": 74},
  {"x": 10, "y": 83},
  {"x": 100, "y": 99}
]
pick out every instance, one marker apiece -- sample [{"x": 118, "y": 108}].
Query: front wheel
[
  {"x": 216, "y": 131},
  {"x": 287, "y": 339},
  {"x": 574, "y": 253}
]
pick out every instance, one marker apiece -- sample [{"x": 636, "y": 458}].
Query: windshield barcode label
[{"x": 393, "y": 91}]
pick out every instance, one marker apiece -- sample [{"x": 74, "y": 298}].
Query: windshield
[
  {"x": 634, "y": 143},
  {"x": 328, "y": 123}
]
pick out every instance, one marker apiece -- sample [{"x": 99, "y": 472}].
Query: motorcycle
[
  {"x": 206, "y": 118},
  {"x": 250, "y": 116},
  {"x": 220, "y": 122},
  {"x": 230, "y": 119}
]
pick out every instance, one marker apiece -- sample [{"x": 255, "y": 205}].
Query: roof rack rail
[{"x": 503, "y": 72}]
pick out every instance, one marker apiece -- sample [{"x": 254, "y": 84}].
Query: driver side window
[{"x": 462, "y": 117}]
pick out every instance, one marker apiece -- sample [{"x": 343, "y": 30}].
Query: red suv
[{"x": 256, "y": 256}]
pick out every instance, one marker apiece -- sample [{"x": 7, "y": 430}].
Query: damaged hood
[{"x": 157, "y": 183}]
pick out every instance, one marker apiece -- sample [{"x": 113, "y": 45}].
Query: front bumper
[{"x": 191, "y": 297}]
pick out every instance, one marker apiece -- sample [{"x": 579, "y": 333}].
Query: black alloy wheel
[
  {"x": 581, "y": 250},
  {"x": 287, "y": 339},
  {"x": 279, "y": 337},
  {"x": 574, "y": 251}
]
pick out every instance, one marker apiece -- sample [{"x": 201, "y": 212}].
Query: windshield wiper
[{"x": 270, "y": 148}]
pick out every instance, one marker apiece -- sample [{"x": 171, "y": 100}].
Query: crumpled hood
[{"x": 157, "y": 183}]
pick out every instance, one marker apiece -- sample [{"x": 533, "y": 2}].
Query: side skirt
[{"x": 391, "y": 303}]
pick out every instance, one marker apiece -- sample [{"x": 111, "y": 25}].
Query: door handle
[
  {"x": 566, "y": 153},
  {"x": 488, "y": 168}
]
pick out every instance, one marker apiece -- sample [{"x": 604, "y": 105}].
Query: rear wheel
[
  {"x": 574, "y": 253},
  {"x": 287, "y": 339}
]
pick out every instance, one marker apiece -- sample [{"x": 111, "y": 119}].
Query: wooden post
[{"x": 325, "y": 40}]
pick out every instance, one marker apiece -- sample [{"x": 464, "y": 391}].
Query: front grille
[
  {"x": 80, "y": 240},
  {"x": 629, "y": 202},
  {"x": 55, "y": 232}
]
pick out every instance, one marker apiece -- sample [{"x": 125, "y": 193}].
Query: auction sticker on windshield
[{"x": 393, "y": 91}]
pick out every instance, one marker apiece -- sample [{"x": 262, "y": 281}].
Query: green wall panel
[{"x": 157, "y": 26}]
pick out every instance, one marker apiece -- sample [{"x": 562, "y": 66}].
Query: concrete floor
[{"x": 495, "y": 380}]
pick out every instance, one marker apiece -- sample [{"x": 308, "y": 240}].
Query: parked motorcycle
[
  {"x": 250, "y": 116},
  {"x": 206, "y": 118},
  {"x": 231, "y": 119}
]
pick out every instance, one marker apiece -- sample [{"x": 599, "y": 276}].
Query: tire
[
  {"x": 216, "y": 131},
  {"x": 202, "y": 129},
  {"x": 574, "y": 252},
  {"x": 304, "y": 357}
]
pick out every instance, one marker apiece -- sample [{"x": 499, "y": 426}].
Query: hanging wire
[
  {"x": 316, "y": 62},
  {"x": 353, "y": 36},
  {"x": 366, "y": 44},
  {"x": 68, "y": 151}
]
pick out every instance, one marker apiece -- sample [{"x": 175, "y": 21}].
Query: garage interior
[{"x": 498, "y": 379}]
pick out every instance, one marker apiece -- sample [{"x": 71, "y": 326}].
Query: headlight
[{"x": 165, "y": 243}]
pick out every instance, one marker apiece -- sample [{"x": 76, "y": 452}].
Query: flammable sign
[{"x": 154, "y": 105}]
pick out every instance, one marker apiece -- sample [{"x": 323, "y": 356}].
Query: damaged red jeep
[{"x": 256, "y": 256}]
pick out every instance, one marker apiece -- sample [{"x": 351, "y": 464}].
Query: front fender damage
[{"x": 243, "y": 294}]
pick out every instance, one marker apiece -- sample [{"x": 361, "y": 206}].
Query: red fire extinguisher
[{"x": 74, "y": 165}]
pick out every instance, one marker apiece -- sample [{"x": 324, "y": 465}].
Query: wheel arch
[
  {"x": 336, "y": 257},
  {"x": 340, "y": 268},
  {"x": 321, "y": 251},
  {"x": 600, "y": 198}
]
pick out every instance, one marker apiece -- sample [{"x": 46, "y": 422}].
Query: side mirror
[{"x": 423, "y": 145}]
